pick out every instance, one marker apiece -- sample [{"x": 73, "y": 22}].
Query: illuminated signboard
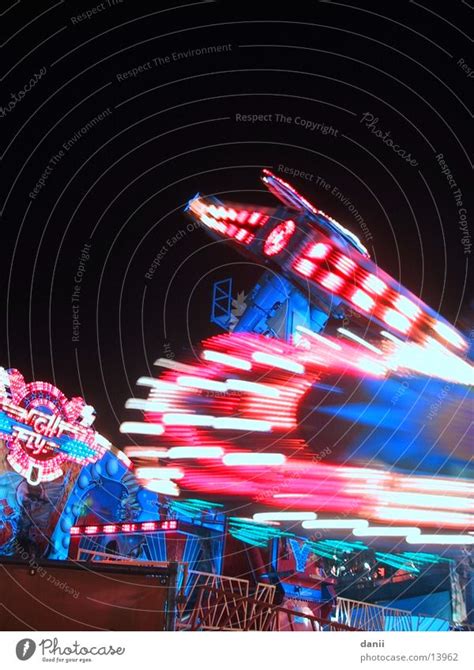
[{"x": 42, "y": 429}]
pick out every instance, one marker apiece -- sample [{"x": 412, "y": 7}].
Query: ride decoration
[
  {"x": 43, "y": 430},
  {"x": 325, "y": 259}
]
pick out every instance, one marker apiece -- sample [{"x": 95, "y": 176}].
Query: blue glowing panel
[
  {"x": 411, "y": 424},
  {"x": 275, "y": 307}
]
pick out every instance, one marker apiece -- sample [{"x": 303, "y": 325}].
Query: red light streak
[
  {"x": 326, "y": 487},
  {"x": 362, "y": 300},
  {"x": 304, "y": 267},
  {"x": 332, "y": 282},
  {"x": 374, "y": 285},
  {"x": 318, "y": 250},
  {"x": 345, "y": 265}
]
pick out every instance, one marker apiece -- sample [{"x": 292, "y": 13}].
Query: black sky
[{"x": 172, "y": 131}]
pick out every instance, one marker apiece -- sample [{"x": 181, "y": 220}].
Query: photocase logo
[{"x": 25, "y": 649}]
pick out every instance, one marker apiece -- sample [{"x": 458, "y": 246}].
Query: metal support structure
[
  {"x": 222, "y": 303},
  {"x": 371, "y": 617},
  {"x": 220, "y": 609}
]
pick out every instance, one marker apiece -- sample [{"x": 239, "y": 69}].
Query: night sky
[{"x": 114, "y": 114}]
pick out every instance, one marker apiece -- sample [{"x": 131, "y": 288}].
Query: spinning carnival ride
[
  {"x": 286, "y": 424},
  {"x": 278, "y": 451}
]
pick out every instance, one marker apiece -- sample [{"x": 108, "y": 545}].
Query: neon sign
[{"x": 43, "y": 430}]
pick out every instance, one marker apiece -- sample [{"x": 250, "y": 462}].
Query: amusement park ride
[{"x": 310, "y": 460}]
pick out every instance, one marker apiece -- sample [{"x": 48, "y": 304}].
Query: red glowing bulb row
[
  {"x": 235, "y": 223},
  {"x": 113, "y": 528},
  {"x": 340, "y": 275},
  {"x": 294, "y": 200}
]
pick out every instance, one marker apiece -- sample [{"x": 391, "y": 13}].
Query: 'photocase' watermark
[
  {"x": 371, "y": 123},
  {"x": 19, "y": 95}
]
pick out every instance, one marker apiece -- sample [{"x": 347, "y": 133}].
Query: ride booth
[
  {"x": 268, "y": 555},
  {"x": 78, "y": 535}
]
